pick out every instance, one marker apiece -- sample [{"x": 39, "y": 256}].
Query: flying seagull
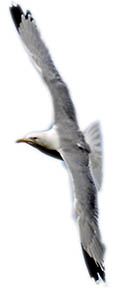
[{"x": 81, "y": 151}]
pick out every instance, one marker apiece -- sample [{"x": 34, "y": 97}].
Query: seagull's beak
[{"x": 24, "y": 140}]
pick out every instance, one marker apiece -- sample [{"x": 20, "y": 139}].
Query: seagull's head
[
  {"x": 43, "y": 141},
  {"x": 39, "y": 140},
  {"x": 32, "y": 139}
]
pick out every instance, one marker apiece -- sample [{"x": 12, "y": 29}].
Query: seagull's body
[{"x": 81, "y": 152}]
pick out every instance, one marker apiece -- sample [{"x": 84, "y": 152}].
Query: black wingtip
[
  {"x": 94, "y": 270},
  {"x": 16, "y": 13},
  {"x": 28, "y": 13}
]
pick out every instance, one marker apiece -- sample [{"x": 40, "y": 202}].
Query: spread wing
[
  {"x": 41, "y": 58},
  {"x": 86, "y": 209}
]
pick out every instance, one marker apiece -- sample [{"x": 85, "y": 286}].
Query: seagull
[{"x": 80, "y": 151}]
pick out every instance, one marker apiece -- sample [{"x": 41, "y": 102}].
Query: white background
[{"x": 39, "y": 240}]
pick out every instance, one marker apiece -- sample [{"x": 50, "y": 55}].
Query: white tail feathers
[{"x": 94, "y": 139}]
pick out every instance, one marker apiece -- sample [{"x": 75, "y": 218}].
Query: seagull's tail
[
  {"x": 94, "y": 268},
  {"x": 94, "y": 139}
]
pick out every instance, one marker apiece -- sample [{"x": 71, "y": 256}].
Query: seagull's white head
[
  {"x": 48, "y": 139},
  {"x": 47, "y": 142},
  {"x": 35, "y": 139}
]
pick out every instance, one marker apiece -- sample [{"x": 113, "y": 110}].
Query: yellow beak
[{"x": 23, "y": 140}]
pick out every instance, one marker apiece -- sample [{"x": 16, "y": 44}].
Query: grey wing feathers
[
  {"x": 39, "y": 53},
  {"x": 94, "y": 139},
  {"x": 35, "y": 46},
  {"x": 86, "y": 207},
  {"x": 37, "y": 49}
]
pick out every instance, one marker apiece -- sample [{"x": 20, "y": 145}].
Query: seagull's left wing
[
  {"x": 37, "y": 50},
  {"x": 86, "y": 209}
]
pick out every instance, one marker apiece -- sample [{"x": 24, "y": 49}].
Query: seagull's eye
[{"x": 33, "y": 138}]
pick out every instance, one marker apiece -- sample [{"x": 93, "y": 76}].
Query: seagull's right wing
[
  {"x": 39, "y": 53},
  {"x": 86, "y": 206}
]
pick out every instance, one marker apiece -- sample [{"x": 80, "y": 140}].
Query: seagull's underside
[{"x": 82, "y": 152}]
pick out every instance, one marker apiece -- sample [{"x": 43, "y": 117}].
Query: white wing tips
[
  {"x": 17, "y": 13},
  {"x": 93, "y": 137}
]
